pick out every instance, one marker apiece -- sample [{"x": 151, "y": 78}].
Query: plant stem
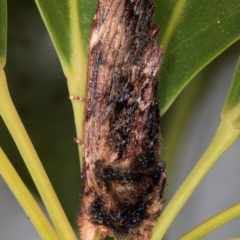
[
  {"x": 33, "y": 163},
  {"x": 213, "y": 223},
  {"x": 225, "y": 136},
  {"x": 25, "y": 199}
]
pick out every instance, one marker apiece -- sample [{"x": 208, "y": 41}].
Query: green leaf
[
  {"x": 86, "y": 11},
  {"x": 62, "y": 21},
  {"x": 185, "y": 47},
  {"x": 231, "y": 109},
  {"x": 57, "y": 19},
  {"x": 233, "y": 97},
  {"x": 3, "y": 32},
  {"x": 193, "y": 33}
]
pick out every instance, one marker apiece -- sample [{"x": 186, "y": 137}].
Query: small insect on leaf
[{"x": 123, "y": 176}]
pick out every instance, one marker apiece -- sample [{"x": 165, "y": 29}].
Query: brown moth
[{"x": 123, "y": 176}]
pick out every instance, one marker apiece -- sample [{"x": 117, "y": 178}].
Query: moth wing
[
  {"x": 122, "y": 123},
  {"x": 123, "y": 62}
]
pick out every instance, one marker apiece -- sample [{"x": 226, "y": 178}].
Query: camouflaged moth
[{"x": 123, "y": 176}]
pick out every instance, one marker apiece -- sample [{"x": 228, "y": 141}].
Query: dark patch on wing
[{"x": 121, "y": 221}]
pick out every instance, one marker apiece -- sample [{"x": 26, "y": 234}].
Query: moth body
[{"x": 123, "y": 176}]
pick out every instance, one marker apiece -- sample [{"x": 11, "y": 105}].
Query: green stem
[
  {"x": 33, "y": 163},
  {"x": 77, "y": 75},
  {"x": 25, "y": 199},
  {"x": 214, "y": 222},
  {"x": 225, "y": 136}
]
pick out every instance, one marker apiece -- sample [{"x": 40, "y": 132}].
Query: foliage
[{"x": 193, "y": 34}]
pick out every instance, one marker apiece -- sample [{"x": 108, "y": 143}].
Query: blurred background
[{"x": 39, "y": 91}]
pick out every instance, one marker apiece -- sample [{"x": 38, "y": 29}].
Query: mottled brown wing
[{"x": 123, "y": 177}]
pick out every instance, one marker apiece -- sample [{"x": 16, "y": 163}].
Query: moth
[{"x": 123, "y": 176}]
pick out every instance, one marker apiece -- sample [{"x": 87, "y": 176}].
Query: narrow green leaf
[
  {"x": 231, "y": 109},
  {"x": 193, "y": 33},
  {"x": 57, "y": 20},
  {"x": 233, "y": 97},
  {"x": 86, "y": 13},
  {"x": 62, "y": 21},
  {"x": 3, "y": 32}
]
